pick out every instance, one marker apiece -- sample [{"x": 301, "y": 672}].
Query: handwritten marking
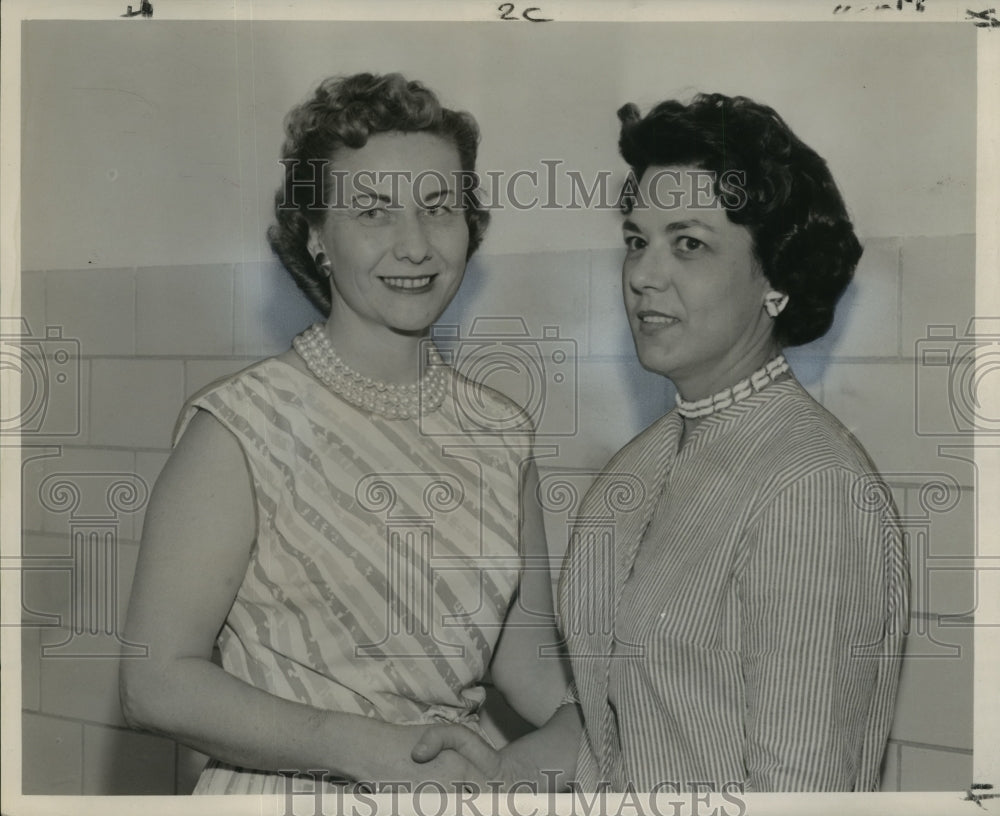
[
  {"x": 917, "y": 5},
  {"x": 985, "y": 18},
  {"x": 507, "y": 9}
]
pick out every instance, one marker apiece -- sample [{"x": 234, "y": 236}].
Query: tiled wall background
[{"x": 149, "y": 337}]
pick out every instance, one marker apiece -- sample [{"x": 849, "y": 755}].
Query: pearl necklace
[
  {"x": 386, "y": 399},
  {"x": 762, "y": 377}
]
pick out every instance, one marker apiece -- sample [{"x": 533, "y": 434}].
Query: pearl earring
[{"x": 775, "y": 302}]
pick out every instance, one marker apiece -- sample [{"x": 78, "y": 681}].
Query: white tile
[
  {"x": 53, "y": 386},
  {"x": 885, "y": 405},
  {"x": 940, "y": 526},
  {"x": 615, "y": 400},
  {"x": 135, "y": 403},
  {"x": 84, "y": 688},
  {"x": 34, "y": 461},
  {"x": 609, "y": 331},
  {"x": 866, "y": 321},
  {"x": 938, "y": 286},
  {"x": 185, "y": 310},
  {"x": 925, "y": 769},
  {"x": 120, "y": 762},
  {"x": 46, "y": 580},
  {"x": 81, "y": 493},
  {"x": 66, "y": 418},
  {"x": 809, "y": 370},
  {"x": 269, "y": 309},
  {"x": 95, "y": 306},
  {"x": 51, "y": 756},
  {"x": 934, "y": 704},
  {"x": 81, "y": 485},
  {"x": 540, "y": 291}
]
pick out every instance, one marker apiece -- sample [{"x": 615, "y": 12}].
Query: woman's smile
[
  {"x": 398, "y": 252},
  {"x": 651, "y": 321},
  {"x": 410, "y": 286}
]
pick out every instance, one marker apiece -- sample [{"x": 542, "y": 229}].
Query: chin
[
  {"x": 651, "y": 361},
  {"x": 419, "y": 328},
  {"x": 655, "y": 366}
]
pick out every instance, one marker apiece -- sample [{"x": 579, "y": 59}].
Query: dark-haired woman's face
[
  {"x": 692, "y": 290},
  {"x": 395, "y": 236}
]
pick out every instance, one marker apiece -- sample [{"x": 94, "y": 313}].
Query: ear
[{"x": 775, "y": 302}]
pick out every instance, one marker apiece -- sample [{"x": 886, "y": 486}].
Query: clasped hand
[{"x": 498, "y": 769}]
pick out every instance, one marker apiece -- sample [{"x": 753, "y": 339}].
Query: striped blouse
[
  {"x": 735, "y": 607},
  {"x": 386, "y": 555}
]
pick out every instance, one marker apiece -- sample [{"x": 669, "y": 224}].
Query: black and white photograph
[{"x": 465, "y": 408}]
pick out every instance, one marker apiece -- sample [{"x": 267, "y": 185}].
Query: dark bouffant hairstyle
[
  {"x": 802, "y": 236},
  {"x": 346, "y": 112}
]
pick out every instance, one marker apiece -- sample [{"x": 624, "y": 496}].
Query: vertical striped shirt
[{"x": 737, "y": 622}]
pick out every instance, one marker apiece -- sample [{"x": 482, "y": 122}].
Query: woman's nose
[
  {"x": 411, "y": 239},
  {"x": 648, "y": 271}
]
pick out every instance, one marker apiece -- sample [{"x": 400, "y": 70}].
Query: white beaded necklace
[
  {"x": 762, "y": 377},
  {"x": 386, "y": 399}
]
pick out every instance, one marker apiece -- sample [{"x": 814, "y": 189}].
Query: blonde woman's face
[{"x": 395, "y": 235}]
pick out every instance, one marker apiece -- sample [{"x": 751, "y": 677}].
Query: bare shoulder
[
  {"x": 207, "y": 475},
  {"x": 206, "y": 443}
]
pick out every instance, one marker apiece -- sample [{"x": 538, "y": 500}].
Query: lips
[
  {"x": 651, "y": 318},
  {"x": 414, "y": 285}
]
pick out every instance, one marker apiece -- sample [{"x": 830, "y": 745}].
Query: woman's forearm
[
  {"x": 199, "y": 704},
  {"x": 551, "y": 751}
]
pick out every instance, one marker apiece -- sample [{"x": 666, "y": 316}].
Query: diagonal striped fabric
[
  {"x": 753, "y": 615},
  {"x": 386, "y": 555}
]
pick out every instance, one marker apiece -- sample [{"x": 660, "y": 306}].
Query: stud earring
[{"x": 775, "y": 302}]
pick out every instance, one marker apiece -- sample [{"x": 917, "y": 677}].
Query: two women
[
  {"x": 742, "y": 627},
  {"x": 326, "y": 516}
]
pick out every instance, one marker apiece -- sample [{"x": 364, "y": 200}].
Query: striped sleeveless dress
[{"x": 386, "y": 553}]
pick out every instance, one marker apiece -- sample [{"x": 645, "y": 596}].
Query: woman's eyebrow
[
  {"x": 673, "y": 226},
  {"x": 436, "y": 195},
  {"x": 370, "y": 199},
  {"x": 676, "y": 226}
]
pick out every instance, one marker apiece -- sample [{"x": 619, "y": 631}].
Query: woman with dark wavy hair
[
  {"x": 742, "y": 627},
  {"x": 329, "y": 518}
]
